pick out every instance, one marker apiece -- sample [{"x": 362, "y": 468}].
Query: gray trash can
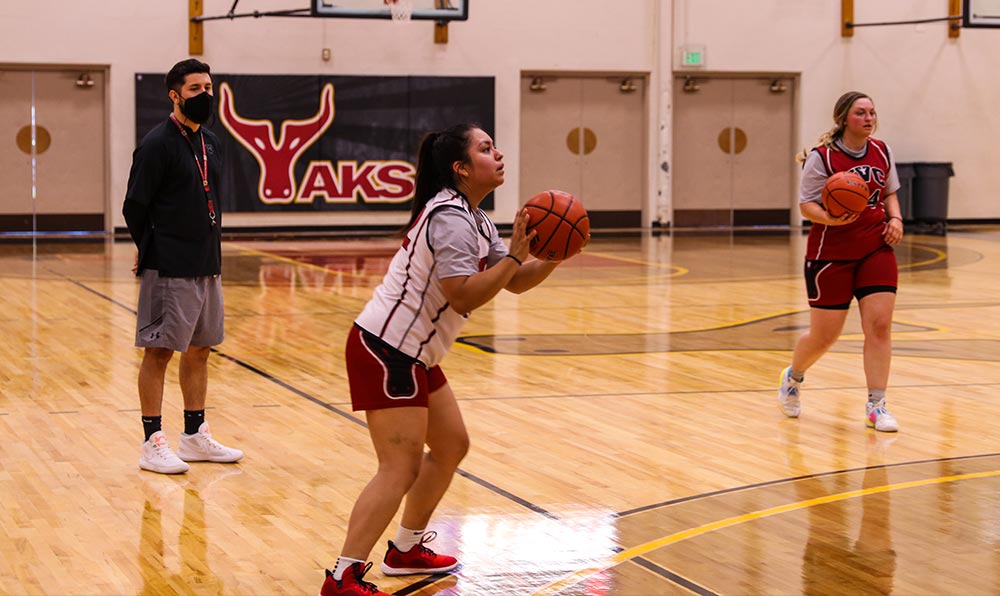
[
  {"x": 905, "y": 192},
  {"x": 930, "y": 196}
]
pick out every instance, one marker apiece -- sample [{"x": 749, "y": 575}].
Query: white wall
[
  {"x": 936, "y": 96},
  {"x": 501, "y": 39}
]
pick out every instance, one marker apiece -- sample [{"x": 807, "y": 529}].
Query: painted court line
[{"x": 636, "y": 551}]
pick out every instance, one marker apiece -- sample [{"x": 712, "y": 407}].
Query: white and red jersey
[
  {"x": 863, "y": 236},
  {"x": 408, "y": 310}
]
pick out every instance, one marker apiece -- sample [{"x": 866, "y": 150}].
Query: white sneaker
[
  {"x": 158, "y": 457},
  {"x": 202, "y": 447},
  {"x": 788, "y": 394},
  {"x": 877, "y": 417}
]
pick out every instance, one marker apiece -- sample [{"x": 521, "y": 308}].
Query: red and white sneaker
[
  {"x": 418, "y": 559},
  {"x": 352, "y": 584}
]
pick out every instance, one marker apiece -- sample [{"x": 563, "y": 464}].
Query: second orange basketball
[
  {"x": 845, "y": 192},
  {"x": 561, "y": 222}
]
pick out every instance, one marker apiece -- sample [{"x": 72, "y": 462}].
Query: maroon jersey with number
[{"x": 863, "y": 236}]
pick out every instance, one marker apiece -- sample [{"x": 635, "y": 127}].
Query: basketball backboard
[
  {"x": 426, "y": 10},
  {"x": 981, "y": 13}
]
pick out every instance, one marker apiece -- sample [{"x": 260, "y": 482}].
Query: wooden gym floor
[{"x": 626, "y": 438}]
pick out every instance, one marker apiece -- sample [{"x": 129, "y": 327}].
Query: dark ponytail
[{"x": 438, "y": 151}]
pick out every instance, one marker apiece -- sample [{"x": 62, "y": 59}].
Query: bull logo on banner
[{"x": 373, "y": 181}]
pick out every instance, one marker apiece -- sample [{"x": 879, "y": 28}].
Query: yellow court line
[
  {"x": 642, "y": 549},
  {"x": 940, "y": 255},
  {"x": 676, "y": 269}
]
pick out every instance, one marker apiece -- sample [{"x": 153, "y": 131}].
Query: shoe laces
[
  {"x": 162, "y": 448},
  {"x": 366, "y": 586},
  {"x": 791, "y": 387},
  {"x": 878, "y": 408},
  {"x": 427, "y": 537},
  {"x": 209, "y": 442}
]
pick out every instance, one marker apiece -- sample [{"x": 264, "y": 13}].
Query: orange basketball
[
  {"x": 561, "y": 222},
  {"x": 845, "y": 192}
]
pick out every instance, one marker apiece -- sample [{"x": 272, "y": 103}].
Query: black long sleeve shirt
[{"x": 166, "y": 209}]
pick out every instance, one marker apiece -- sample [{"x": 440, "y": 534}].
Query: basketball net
[{"x": 401, "y": 10}]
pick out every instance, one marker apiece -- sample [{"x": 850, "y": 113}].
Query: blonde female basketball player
[
  {"x": 451, "y": 262},
  {"x": 850, "y": 256}
]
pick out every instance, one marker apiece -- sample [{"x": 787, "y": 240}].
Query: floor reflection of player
[
  {"x": 194, "y": 575},
  {"x": 831, "y": 563},
  {"x": 275, "y": 299}
]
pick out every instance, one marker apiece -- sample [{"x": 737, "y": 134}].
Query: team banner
[{"x": 324, "y": 143}]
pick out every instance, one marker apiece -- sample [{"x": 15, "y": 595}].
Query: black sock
[
  {"x": 193, "y": 420},
  {"x": 151, "y": 424}
]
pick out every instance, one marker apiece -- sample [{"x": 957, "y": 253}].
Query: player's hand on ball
[
  {"x": 520, "y": 241},
  {"x": 844, "y": 219}
]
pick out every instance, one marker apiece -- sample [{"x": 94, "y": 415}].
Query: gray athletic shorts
[{"x": 177, "y": 312}]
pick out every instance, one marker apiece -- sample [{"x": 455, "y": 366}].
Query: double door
[
  {"x": 733, "y": 159},
  {"x": 586, "y": 136},
  {"x": 52, "y": 146}
]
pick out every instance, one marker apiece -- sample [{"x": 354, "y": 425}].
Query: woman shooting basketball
[
  {"x": 850, "y": 256},
  {"x": 451, "y": 262}
]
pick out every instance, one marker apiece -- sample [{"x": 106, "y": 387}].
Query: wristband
[
  {"x": 895, "y": 217},
  {"x": 515, "y": 259}
]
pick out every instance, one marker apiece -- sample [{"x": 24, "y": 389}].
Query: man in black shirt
[{"x": 173, "y": 217}]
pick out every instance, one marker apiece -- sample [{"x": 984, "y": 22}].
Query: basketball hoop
[{"x": 401, "y": 10}]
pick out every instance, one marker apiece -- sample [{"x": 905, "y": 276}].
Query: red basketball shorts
[
  {"x": 380, "y": 376},
  {"x": 832, "y": 284}
]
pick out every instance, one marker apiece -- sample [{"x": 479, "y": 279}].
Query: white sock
[
  {"x": 407, "y": 539},
  {"x": 875, "y": 395},
  {"x": 342, "y": 564}
]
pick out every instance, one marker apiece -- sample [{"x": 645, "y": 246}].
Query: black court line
[
  {"x": 420, "y": 585},
  {"x": 463, "y": 473},
  {"x": 509, "y": 495},
  {"x": 699, "y": 589},
  {"x": 93, "y": 291},
  {"x": 670, "y": 575},
  {"x": 327, "y": 406},
  {"x": 724, "y": 491},
  {"x": 260, "y": 372},
  {"x": 645, "y": 563},
  {"x": 290, "y": 388}
]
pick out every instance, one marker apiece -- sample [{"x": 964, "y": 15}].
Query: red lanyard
[{"x": 201, "y": 170}]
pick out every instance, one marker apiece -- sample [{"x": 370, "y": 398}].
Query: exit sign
[{"x": 692, "y": 56}]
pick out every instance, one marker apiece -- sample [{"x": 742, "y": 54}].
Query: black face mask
[{"x": 198, "y": 108}]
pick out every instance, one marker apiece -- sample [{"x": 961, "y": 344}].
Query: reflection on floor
[{"x": 625, "y": 434}]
